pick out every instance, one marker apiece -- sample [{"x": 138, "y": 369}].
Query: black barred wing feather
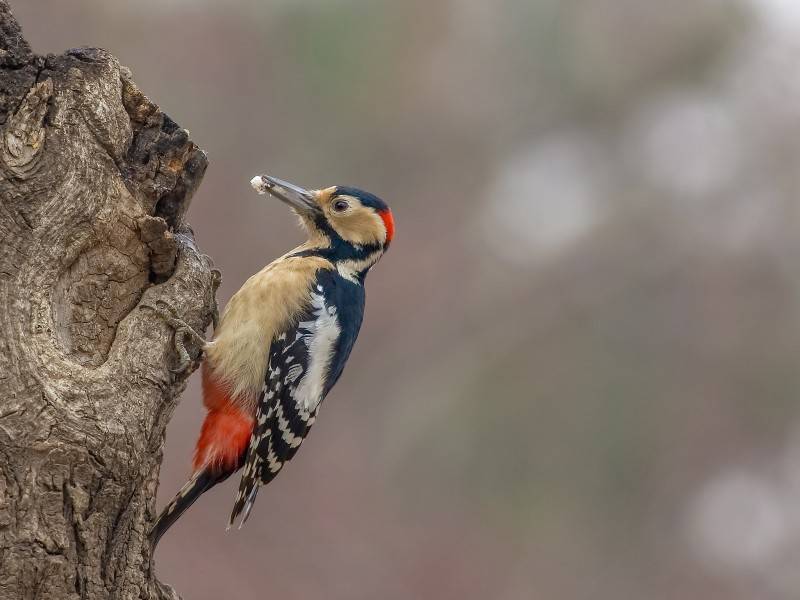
[{"x": 289, "y": 401}]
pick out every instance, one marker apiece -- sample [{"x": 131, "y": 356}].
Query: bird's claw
[
  {"x": 166, "y": 312},
  {"x": 182, "y": 330}
]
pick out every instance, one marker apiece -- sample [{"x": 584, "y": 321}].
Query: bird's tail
[
  {"x": 220, "y": 450},
  {"x": 201, "y": 481}
]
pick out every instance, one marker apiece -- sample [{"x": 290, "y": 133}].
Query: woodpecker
[{"x": 282, "y": 343}]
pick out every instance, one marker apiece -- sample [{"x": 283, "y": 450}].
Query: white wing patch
[{"x": 320, "y": 337}]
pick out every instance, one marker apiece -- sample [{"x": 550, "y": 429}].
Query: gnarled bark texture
[{"x": 94, "y": 184}]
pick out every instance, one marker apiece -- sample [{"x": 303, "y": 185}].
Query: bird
[{"x": 281, "y": 343}]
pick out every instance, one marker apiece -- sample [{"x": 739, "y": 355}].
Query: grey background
[{"x": 577, "y": 376}]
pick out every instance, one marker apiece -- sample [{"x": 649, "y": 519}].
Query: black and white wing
[{"x": 299, "y": 364}]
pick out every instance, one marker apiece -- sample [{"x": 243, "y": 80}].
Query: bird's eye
[{"x": 341, "y": 205}]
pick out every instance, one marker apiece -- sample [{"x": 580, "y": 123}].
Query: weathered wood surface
[{"x": 94, "y": 184}]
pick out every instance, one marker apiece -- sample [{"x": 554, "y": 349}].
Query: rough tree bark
[{"x": 94, "y": 184}]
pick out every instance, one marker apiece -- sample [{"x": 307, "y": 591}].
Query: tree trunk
[{"x": 94, "y": 184}]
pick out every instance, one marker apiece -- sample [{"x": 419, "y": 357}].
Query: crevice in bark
[{"x": 95, "y": 182}]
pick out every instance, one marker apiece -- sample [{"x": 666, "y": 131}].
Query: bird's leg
[{"x": 182, "y": 331}]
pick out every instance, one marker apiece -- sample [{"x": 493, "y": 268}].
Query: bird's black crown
[{"x": 366, "y": 198}]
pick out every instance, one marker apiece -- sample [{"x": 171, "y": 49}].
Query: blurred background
[{"x": 578, "y": 373}]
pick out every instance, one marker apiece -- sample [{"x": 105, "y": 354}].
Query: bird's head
[{"x": 351, "y": 227}]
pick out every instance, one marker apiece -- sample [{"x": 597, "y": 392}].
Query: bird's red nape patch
[
  {"x": 226, "y": 429},
  {"x": 388, "y": 222}
]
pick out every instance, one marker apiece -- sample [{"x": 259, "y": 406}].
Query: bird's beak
[{"x": 303, "y": 201}]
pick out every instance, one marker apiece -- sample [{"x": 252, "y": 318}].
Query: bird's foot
[{"x": 182, "y": 332}]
